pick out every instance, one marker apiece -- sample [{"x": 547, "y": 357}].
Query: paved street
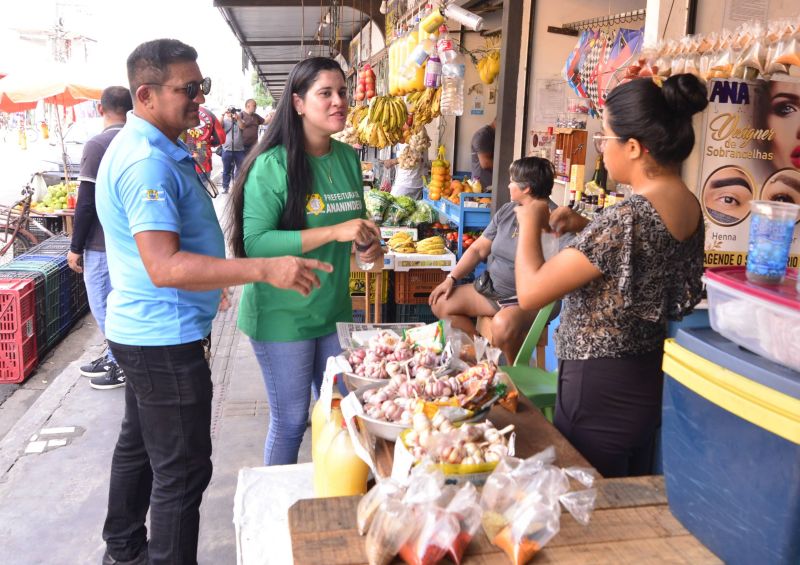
[{"x": 52, "y": 503}]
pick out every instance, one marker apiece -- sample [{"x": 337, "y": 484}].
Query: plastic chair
[{"x": 537, "y": 384}]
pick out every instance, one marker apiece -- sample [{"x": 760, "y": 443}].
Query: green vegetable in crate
[{"x": 377, "y": 203}]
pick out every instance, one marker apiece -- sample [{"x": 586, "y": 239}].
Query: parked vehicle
[{"x": 78, "y": 133}]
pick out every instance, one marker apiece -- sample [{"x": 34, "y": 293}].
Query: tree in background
[{"x": 260, "y": 95}]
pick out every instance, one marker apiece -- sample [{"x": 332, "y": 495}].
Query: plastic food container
[
  {"x": 731, "y": 448},
  {"x": 762, "y": 318}
]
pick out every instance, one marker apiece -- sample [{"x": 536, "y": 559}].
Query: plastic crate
[
  {"x": 56, "y": 244},
  {"x": 55, "y": 275},
  {"x": 414, "y": 313},
  {"x": 358, "y": 315},
  {"x": 40, "y": 324},
  {"x": 358, "y": 285},
  {"x": 415, "y": 286},
  {"x": 17, "y": 329}
]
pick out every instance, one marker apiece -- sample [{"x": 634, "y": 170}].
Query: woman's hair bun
[{"x": 685, "y": 94}]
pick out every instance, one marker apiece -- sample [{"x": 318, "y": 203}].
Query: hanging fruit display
[
  {"x": 425, "y": 106},
  {"x": 413, "y": 153},
  {"x": 488, "y": 61},
  {"x": 382, "y": 123},
  {"x": 365, "y": 90},
  {"x": 440, "y": 175}
]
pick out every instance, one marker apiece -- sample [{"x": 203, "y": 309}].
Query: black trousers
[
  {"x": 610, "y": 411},
  {"x": 162, "y": 460}
]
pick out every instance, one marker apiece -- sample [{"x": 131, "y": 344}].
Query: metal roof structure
[{"x": 277, "y": 34}]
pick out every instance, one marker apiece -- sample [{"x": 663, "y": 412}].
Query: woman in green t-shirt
[{"x": 300, "y": 194}]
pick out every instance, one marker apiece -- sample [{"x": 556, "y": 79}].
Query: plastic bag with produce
[
  {"x": 434, "y": 532},
  {"x": 377, "y": 203},
  {"x": 369, "y": 504},
  {"x": 388, "y": 532},
  {"x": 400, "y": 208},
  {"x": 466, "y": 509},
  {"x": 522, "y": 503}
]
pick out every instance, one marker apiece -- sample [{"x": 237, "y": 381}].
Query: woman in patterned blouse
[{"x": 632, "y": 268}]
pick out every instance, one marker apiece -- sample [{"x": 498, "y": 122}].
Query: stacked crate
[{"x": 57, "y": 295}]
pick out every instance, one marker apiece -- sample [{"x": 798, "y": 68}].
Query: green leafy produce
[
  {"x": 377, "y": 203},
  {"x": 399, "y": 210},
  {"x": 424, "y": 214}
]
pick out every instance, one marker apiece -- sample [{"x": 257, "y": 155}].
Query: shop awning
[{"x": 277, "y": 34}]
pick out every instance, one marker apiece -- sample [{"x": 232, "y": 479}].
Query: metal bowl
[
  {"x": 354, "y": 382},
  {"x": 390, "y": 431}
]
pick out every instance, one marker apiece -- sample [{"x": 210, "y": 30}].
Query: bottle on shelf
[{"x": 571, "y": 198}]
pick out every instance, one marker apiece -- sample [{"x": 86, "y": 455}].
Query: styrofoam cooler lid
[
  {"x": 784, "y": 294},
  {"x": 721, "y": 351}
]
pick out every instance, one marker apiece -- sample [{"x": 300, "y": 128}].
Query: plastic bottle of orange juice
[
  {"x": 329, "y": 393},
  {"x": 341, "y": 472}
]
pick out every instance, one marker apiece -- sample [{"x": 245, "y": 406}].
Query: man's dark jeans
[{"x": 162, "y": 460}]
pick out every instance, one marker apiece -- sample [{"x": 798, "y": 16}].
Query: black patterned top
[{"x": 649, "y": 277}]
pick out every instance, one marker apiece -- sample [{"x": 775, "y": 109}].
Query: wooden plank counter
[{"x": 631, "y": 523}]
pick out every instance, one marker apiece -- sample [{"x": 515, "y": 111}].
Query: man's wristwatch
[{"x": 449, "y": 276}]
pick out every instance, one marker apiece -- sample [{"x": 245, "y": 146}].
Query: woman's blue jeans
[{"x": 290, "y": 368}]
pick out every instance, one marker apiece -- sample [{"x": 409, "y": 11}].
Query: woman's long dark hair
[{"x": 286, "y": 129}]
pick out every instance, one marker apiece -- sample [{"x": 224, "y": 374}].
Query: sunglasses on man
[{"x": 192, "y": 89}]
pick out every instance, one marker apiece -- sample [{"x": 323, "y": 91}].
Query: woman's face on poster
[
  {"x": 784, "y": 119},
  {"x": 727, "y": 194},
  {"x": 782, "y": 186}
]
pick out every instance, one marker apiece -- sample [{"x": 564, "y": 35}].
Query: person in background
[
  {"x": 482, "y": 147},
  {"x": 248, "y": 122},
  {"x": 632, "y": 268},
  {"x": 531, "y": 179},
  {"x": 232, "y": 148},
  {"x": 300, "y": 193},
  {"x": 202, "y": 139},
  {"x": 407, "y": 182},
  {"x": 166, "y": 256},
  {"x": 87, "y": 250}
]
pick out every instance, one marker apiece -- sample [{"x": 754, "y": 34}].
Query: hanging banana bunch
[
  {"x": 382, "y": 124},
  {"x": 425, "y": 105}
]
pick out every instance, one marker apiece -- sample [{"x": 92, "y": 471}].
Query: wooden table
[{"x": 631, "y": 523}]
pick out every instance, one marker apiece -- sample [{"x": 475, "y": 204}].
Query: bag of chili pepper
[{"x": 465, "y": 507}]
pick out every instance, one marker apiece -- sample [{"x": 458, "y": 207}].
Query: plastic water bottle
[
  {"x": 360, "y": 249},
  {"x": 445, "y": 47},
  {"x": 453, "y": 86}
]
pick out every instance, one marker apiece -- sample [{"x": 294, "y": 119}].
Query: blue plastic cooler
[{"x": 731, "y": 448}]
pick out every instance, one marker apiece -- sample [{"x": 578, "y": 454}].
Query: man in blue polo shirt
[{"x": 166, "y": 257}]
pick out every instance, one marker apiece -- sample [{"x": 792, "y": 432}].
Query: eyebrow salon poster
[{"x": 751, "y": 151}]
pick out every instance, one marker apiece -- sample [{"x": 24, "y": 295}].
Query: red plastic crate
[
  {"x": 17, "y": 330},
  {"x": 416, "y": 285}
]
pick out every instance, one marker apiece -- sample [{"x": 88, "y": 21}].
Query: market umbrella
[
  {"x": 51, "y": 83},
  {"x": 64, "y": 85}
]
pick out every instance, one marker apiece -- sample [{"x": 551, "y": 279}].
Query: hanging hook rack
[{"x": 574, "y": 28}]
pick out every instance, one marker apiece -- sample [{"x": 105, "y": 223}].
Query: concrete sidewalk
[{"x": 53, "y": 503}]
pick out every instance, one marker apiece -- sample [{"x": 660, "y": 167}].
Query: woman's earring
[{"x": 299, "y": 113}]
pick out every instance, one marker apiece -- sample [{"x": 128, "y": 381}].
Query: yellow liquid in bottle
[{"x": 342, "y": 472}]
